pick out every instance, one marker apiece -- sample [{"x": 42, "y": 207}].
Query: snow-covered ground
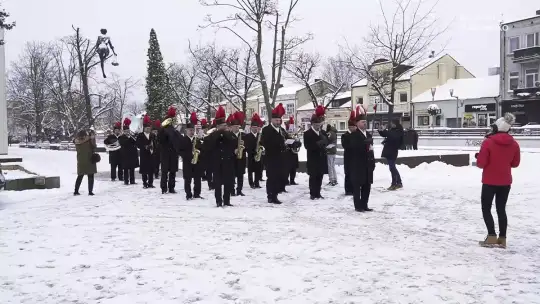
[
  {"x": 130, "y": 245},
  {"x": 16, "y": 174}
]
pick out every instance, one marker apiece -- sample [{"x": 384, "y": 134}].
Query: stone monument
[{"x": 3, "y": 103}]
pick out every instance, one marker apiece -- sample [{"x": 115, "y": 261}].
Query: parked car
[{"x": 2, "y": 180}]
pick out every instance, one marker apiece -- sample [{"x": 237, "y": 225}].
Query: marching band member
[
  {"x": 275, "y": 148},
  {"x": 204, "y": 129},
  {"x": 240, "y": 160},
  {"x": 156, "y": 155},
  {"x": 111, "y": 142},
  {"x": 347, "y": 154},
  {"x": 253, "y": 145},
  {"x": 292, "y": 154},
  {"x": 263, "y": 159},
  {"x": 129, "y": 154},
  {"x": 316, "y": 141},
  {"x": 192, "y": 169},
  {"x": 169, "y": 141},
  {"x": 145, "y": 143},
  {"x": 205, "y": 157},
  {"x": 222, "y": 146},
  {"x": 362, "y": 163}
]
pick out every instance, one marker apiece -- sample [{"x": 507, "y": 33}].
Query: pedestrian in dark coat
[
  {"x": 362, "y": 162},
  {"x": 316, "y": 142},
  {"x": 347, "y": 154},
  {"x": 191, "y": 172},
  {"x": 129, "y": 153},
  {"x": 145, "y": 143},
  {"x": 240, "y": 161},
  {"x": 292, "y": 154},
  {"x": 169, "y": 141},
  {"x": 252, "y": 140},
  {"x": 331, "y": 153},
  {"x": 222, "y": 145},
  {"x": 414, "y": 139},
  {"x": 393, "y": 139},
  {"x": 85, "y": 145},
  {"x": 157, "y": 151},
  {"x": 275, "y": 149},
  {"x": 113, "y": 146}
]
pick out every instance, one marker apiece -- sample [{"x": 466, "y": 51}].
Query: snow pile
[
  {"x": 16, "y": 174},
  {"x": 131, "y": 245},
  {"x": 469, "y": 88}
]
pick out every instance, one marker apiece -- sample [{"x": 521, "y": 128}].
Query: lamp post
[{"x": 457, "y": 106}]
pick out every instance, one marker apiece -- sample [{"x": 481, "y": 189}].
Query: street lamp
[{"x": 457, "y": 106}]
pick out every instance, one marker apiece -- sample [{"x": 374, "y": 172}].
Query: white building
[
  {"x": 472, "y": 100},
  {"x": 3, "y": 103},
  {"x": 286, "y": 96},
  {"x": 337, "y": 113}
]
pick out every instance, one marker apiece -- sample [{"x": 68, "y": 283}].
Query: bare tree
[
  {"x": 121, "y": 91},
  {"x": 27, "y": 90},
  {"x": 256, "y": 16},
  {"x": 402, "y": 41},
  {"x": 182, "y": 80},
  {"x": 302, "y": 67},
  {"x": 337, "y": 71},
  {"x": 87, "y": 60},
  {"x": 134, "y": 107}
]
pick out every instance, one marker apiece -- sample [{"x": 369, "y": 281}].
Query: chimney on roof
[
  {"x": 494, "y": 71},
  {"x": 317, "y": 79},
  {"x": 538, "y": 13}
]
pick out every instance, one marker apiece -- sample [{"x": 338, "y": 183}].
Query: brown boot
[
  {"x": 502, "y": 241},
  {"x": 490, "y": 241}
]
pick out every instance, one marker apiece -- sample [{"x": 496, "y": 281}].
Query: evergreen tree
[
  {"x": 4, "y": 23},
  {"x": 156, "y": 81}
]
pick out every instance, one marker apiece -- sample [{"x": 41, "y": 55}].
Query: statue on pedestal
[{"x": 103, "y": 44}]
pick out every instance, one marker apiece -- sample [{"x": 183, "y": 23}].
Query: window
[
  {"x": 335, "y": 104},
  {"x": 342, "y": 126},
  {"x": 514, "y": 81},
  {"x": 531, "y": 77},
  {"x": 438, "y": 120},
  {"x": 376, "y": 100},
  {"x": 513, "y": 44},
  {"x": 250, "y": 112},
  {"x": 263, "y": 111},
  {"x": 532, "y": 40},
  {"x": 290, "y": 109},
  {"x": 359, "y": 100},
  {"x": 423, "y": 120},
  {"x": 403, "y": 97}
]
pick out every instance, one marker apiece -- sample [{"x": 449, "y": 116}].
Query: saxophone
[
  {"x": 259, "y": 150},
  {"x": 240, "y": 147},
  {"x": 196, "y": 152}
]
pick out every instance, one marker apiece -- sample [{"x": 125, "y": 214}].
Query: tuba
[
  {"x": 240, "y": 147},
  {"x": 136, "y": 122},
  {"x": 196, "y": 152},
  {"x": 115, "y": 146}
]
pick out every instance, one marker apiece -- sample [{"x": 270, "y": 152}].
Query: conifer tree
[
  {"x": 4, "y": 23},
  {"x": 158, "y": 99}
]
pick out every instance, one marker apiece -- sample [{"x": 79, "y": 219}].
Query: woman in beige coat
[{"x": 85, "y": 145}]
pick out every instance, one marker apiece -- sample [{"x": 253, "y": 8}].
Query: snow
[
  {"x": 433, "y": 107},
  {"x": 469, "y": 88},
  {"x": 360, "y": 83},
  {"x": 131, "y": 245},
  {"x": 16, "y": 174},
  {"x": 523, "y": 94},
  {"x": 419, "y": 66}
]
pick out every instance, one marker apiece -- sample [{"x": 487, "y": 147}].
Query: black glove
[{"x": 475, "y": 155}]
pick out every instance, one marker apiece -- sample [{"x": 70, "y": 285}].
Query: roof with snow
[{"x": 469, "y": 88}]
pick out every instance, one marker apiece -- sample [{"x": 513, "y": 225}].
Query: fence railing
[{"x": 448, "y": 132}]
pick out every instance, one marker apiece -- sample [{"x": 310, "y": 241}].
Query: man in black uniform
[
  {"x": 240, "y": 161},
  {"x": 362, "y": 162},
  {"x": 128, "y": 153},
  {"x": 145, "y": 143},
  {"x": 253, "y": 142},
  {"x": 316, "y": 142},
  {"x": 222, "y": 145},
  {"x": 292, "y": 154},
  {"x": 347, "y": 154},
  {"x": 192, "y": 169},
  {"x": 113, "y": 146},
  {"x": 169, "y": 141},
  {"x": 273, "y": 139},
  {"x": 156, "y": 155}
]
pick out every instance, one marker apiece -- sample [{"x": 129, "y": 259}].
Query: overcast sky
[{"x": 473, "y": 34}]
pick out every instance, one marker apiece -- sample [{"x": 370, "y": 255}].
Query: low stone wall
[
  {"x": 8, "y": 159},
  {"x": 456, "y": 160},
  {"x": 29, "y": 183}
]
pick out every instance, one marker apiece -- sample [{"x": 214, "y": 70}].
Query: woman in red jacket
[{"x": 498, "y": 155}]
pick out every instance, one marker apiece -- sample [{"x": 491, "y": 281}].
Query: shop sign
[{"x": 488, "y": 107}]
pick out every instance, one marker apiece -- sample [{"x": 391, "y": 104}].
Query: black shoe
[
  {"x": 172, "y": 191},
  {"x": 198, "y": 196},
  {"x": 126, "y": 183},
  {"x": 320, "y": 197},
  {"x": 151, "y": 186},
  {"x": 359, "y": 210},
  {"x": 240, "y": 193},
  {"x": 368, "y": 209},
  {"x": 132, "y": 183},
  {"x": 189, "y": 197},
  {"x": 228, "y": 204},
  {"x": 219, "y": 205},
  {"x": 348, "y": 193},
  {"x": 76, "y": 193},
  {"x": 91, "y": 193},
  {"x": 233, "y": 194},
  {"x": 145, "y": 186},
  {"x": 277, "y": 202},
  {"x": 113, "y": 179},
  {"x": 313, "y": 197}
]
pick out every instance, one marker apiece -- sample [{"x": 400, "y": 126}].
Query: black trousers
[
  {"x": 292, "y": 175},
  {"x": 156, "y": 168},
  {"x": 275, "y": 181},
  {"x": 114, "y": 168},
  {"x": 254, "y": 172},
  {"x": 196, "y": 186},
  {"x": 348, "y": 183},
  {"x": 223, "y": 187},
  {"x": 129, "y": 176},
  {"x": 361, "y": 196},
  {"x": 315, "y": 185},
  {"x": 168, "y": 180},
  {"x": 78, "y": 182},
  {"x": 148, "y": 180},
  {"x": 501, "y": 197}
]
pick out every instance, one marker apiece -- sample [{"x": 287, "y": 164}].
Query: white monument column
[{"x": 3, "y": 104}]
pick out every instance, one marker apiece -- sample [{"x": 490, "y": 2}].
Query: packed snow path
[{"x": 130, "y": 245}]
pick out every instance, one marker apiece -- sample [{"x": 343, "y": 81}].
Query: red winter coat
[{"x": 498, "y": 155}]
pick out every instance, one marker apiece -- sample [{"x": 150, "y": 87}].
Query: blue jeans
[{"x": 396, "y": 178}]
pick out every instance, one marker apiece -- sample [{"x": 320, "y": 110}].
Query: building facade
[
  {"x": 337, "y": 113},
  {"x": 520, "y": 66},
  {"x": 472, "y": 101},
  {"x": 411, "y": 83}
]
